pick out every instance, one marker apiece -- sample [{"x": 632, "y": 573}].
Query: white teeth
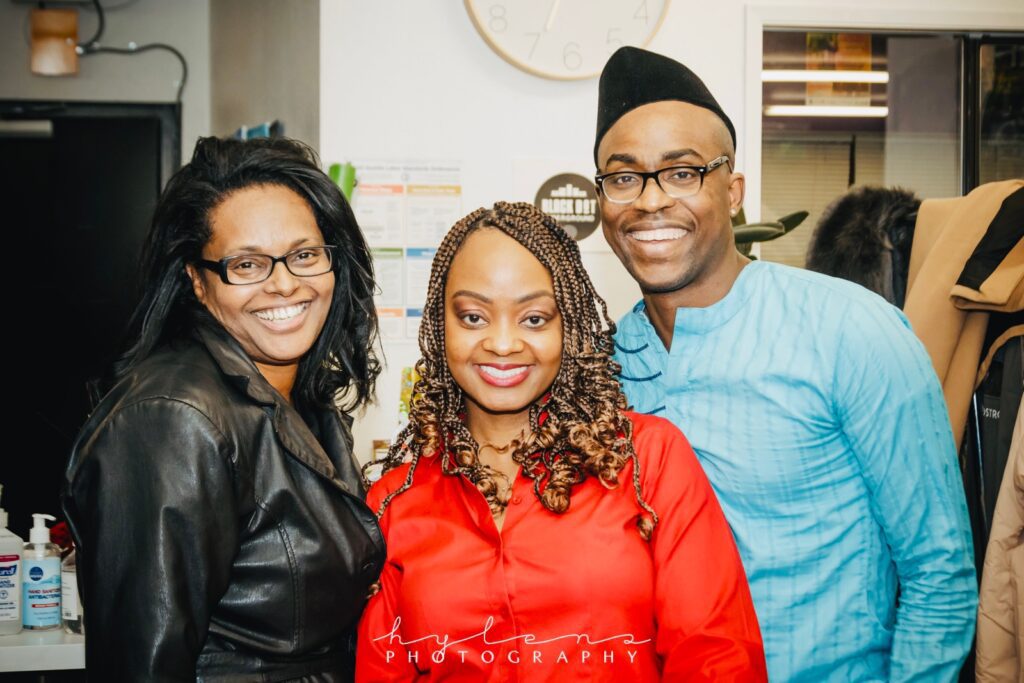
[
  {"x": 283, "y": 313},
  {"x": 503, "y": 374},
  {"x": 659, "y": 234}
]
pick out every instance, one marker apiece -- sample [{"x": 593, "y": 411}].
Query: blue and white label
[
  {"x": 41, "y": 593},
  {"x": 10, "y": 588}
]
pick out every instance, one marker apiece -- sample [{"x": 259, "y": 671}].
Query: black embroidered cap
[{"x": 634, "y": 77}]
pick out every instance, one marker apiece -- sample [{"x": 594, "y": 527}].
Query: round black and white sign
[{"x": 572, "y": 200}]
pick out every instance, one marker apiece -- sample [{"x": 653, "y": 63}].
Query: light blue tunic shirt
[{"x": 821, "y": 424}]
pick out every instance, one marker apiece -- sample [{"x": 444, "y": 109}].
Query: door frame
[{"x": 167, "y": 116}]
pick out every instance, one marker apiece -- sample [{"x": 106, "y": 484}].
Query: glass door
[{"x": 935, "y": 114}]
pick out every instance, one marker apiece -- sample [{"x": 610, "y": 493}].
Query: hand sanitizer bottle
[
  {"x": 41, "y": 581},
  {"x": 10, "y": 578},
  {"x": 70, "y": 605}
]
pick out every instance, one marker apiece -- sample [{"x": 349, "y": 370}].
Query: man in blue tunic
[{"x": 813, "y": 407}]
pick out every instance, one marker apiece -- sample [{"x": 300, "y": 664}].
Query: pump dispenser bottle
[
  {"x": 70, "y": 605},
  {"x": 10, "y": 577},
  {"x": 41, "y": 581}
]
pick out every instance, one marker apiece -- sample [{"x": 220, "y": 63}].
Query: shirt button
[{"x": 516, "y": 500}]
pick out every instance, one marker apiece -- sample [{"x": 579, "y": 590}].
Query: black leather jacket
[{"x": 221, "y": 535}]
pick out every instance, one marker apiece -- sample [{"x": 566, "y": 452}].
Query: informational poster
[
  {"x": 417, "y": 274},
  {"x": 388, "y": 269},
  {"x": 404, "y": 209},
  {"x": 433, "y": 202},
  {"x": 379, "y": 203},
  {"x": 413, "y": 318},
  {"x": 392, "y": 322}
]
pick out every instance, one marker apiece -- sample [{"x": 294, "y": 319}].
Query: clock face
[{"x": 564, "y": 39}]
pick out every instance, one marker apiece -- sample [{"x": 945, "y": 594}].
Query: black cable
[
  {"x": 99, "y": 29},
  {"x": 113, "y": 8},
  {"x": 93, "y": 49}
]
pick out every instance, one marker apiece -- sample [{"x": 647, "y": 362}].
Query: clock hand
[{"x": 551, "y": 15}]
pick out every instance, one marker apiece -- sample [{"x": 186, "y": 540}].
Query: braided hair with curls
[{"x": 577, "y": 430}]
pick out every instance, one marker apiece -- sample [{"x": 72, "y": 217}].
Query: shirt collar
[{"x": 696, "y": 321}]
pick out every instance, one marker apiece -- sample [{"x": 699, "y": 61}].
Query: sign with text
[{"x": 571, "y": 199}]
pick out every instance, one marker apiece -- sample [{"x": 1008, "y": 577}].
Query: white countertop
[{"x": 42, "y": 651}]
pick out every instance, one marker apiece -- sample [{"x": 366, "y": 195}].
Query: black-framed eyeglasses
[
  {"x": 249, "y": 269},
  {"x": 678, "y": 182}
]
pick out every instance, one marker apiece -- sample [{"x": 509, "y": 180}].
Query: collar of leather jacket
[{"x": 295, "y": 435}]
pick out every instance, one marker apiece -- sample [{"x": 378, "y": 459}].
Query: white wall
[
  {"x": 415, "y": 80},
  {"x": 148, "y": 77}
]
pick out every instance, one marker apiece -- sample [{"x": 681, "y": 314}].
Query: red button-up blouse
[{"x": 578, "y": 596}]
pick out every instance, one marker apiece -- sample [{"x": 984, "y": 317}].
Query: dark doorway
[{"x": 81, "y": 181}]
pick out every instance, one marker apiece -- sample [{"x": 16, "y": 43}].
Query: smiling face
[
  {"x": 278, "y": 320},
  {"x": 502, "y": 327},
  {"x": 667, "y": 244}
]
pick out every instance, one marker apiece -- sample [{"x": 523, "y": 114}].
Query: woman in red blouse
[{"x": 536, "y": 530}]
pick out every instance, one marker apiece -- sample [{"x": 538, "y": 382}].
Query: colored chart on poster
[
  {"x": 433, "y": 202},
  {"x": 392, "y": 323},
  {"x": 387, "y": 270},
  {"x": 413, "y": 318},
  {"x": 417, "y": 275},
  {"x": 379, "y": 203}
]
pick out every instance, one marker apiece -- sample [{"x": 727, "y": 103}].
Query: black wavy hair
[{"x": 342, "y": 364}]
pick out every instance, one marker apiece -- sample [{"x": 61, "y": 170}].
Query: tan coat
[
  {"x": 1001, "y": 606},
  {"x": 949, "y": 318}
]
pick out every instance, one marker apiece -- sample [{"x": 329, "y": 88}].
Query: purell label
[
  {"x": 41, "y": 606},
  {"x": 10, "y": 590},
  {"x": 69, "y": 595}
]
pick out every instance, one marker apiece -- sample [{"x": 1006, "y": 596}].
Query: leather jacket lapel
[
  {"x": 234, "y": 363},
  {"x": 300, "y": 442},
  {"x": 334, "y": 433},
  {"x": 291, "y": 430}
]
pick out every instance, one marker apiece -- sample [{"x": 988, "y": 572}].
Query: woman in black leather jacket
[{"x": 213, "y": 494}]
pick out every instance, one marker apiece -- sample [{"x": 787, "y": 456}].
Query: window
[{"x": 887, "y": 109}]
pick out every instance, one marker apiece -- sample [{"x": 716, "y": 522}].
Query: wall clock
[{"x": 564, "y": 39}]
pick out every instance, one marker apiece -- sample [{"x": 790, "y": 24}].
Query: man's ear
[
  {"x": 198, "y": 286},
  {"x": 737, "y": 189}
]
